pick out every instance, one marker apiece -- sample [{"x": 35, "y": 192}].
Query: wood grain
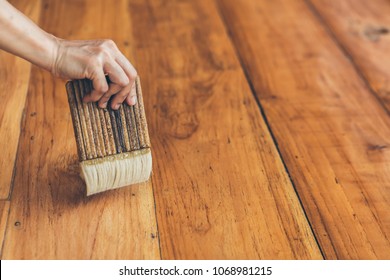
[
  {"x": 363, "y": 29},
  {"x": 91, "y": 130},
  {"x": 55, "y": 220},
  {"x": 14, "y": 75},
  {"x": 332, "y": 132},
  {"x": 220, "y": 187},
  {"x": 4, "y": 209}
]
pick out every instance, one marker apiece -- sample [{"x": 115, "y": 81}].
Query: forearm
[
  {"x": 92, "y": 59},
  {"x": 22, "y": 37}
]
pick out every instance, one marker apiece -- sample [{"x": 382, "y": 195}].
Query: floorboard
[
  {"x": 333, "y": 134},
  {"x": 4, "y": 209},
  {"x": 50, "y": 217},
  {"x": 14, "y": 75},
  {"x": 220, "y": 186},
  {"x": 363, "y": 29}
]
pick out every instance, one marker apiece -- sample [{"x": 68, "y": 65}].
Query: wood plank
[
  {"x": 4, "y": 209},
  {"x": 14, "y": 75},
  {"x": 332, "y": 132},
  {"x": 220, "y": 187},
  {"x": 363, "y": 29},
  {"x": 55, "y": 220}
]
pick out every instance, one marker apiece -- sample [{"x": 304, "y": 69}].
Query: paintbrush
[{"x": 113, "y": 145}]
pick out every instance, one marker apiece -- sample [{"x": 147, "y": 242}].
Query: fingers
[
  {"x": 118, "y": 99},
  {"x": 127, "y": 67},
  {"x": 113, "y": 89},
  {"x": 131, "y": 99},
  {"x": 116, "y": 73},
  {"x": 100, "y": 87},
  {"x": 106, "y": 59},
  {"x": 127, "y": 94},
  {"x": 131, "y": 73}
]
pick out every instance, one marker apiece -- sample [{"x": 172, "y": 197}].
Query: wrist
[
  {"x": 54, "y": 54},
  {"x": 22, "y": 37}
]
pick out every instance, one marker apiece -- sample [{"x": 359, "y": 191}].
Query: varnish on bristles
[{"x": 113, "y": 146}]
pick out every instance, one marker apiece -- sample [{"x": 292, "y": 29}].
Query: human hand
[
  {"x": 70, "y": 59},
  {"x": 93, "y": 59}
]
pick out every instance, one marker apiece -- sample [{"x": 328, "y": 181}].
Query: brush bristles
[
  {"x": 116, "y": 171},
  {"x": 113, "y": 146}
]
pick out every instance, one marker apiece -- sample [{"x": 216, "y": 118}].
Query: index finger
[
  {"x": 100, "y": 87},
  {"x": 126, "y": 66}
]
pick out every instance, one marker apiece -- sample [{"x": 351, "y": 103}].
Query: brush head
[{"x": 113, "y": 145}]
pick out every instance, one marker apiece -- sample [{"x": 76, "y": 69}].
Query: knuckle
[
  {"x": 108, "y": 43},
  {"x": 104, "y": 88},
  {"x": 103, "y": 100},
  {"x": 94, "y": 63},
  {"x": 100, "y": 89},
  {"x": 133, "y": 74},
  {"x": 101, "y": 52},
  {"x": 120, "y": 81},
  {"x": 124, "y": 81},
  {"x": 94, "y": 98},
  {"x": 124, "y": 94},
  {"x": 114, "y": 88},
  {"x": 103, "y": 55}
]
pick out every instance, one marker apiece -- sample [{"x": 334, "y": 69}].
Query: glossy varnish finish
[
  {"x": 4, "y": 209},
  {"x": 220, "y": 187},
  {"x": 223, "y": 185},
  {"x": 331, "y": 130},
  {"x": 50, "y": 217},
  {"x": 363, "y": 30},
  {"x": 15, "y": 74}
]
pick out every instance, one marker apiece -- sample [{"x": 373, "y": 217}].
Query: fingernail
[
  {"x": 133, "y": 100},
  {"x": 104, "y": 105},
  {"x": 116, "y": 107}
]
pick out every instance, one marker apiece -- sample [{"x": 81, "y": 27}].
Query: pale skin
[{"x": 90, "y": 59}]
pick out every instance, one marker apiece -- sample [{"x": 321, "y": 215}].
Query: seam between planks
[
  {"x": 262, "y": 112},
  {"x": 21, "y": 124},
  {"x": 22, "y": 121},
  {"x": 151, "y": 181},
  {"x": 317, "y": 14},
  {"x": 156, "y": 217},
  {"x": 6, "y": 227},
  {"x": 11, "y": 188}
]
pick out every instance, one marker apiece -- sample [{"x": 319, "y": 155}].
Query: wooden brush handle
[{"x": 103, "y": 132}]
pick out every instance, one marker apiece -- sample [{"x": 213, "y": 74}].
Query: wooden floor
[{"x": 269, "y": 123}]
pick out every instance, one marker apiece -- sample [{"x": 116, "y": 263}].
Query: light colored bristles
[{"x": 116, "y": 171}]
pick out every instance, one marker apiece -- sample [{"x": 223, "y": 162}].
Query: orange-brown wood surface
[
  {"x": 4, "y": 208},
  {"x": 50, "y": 217},
  {"x": 267, "y": 136},
  {"x": 363, "y": 29},
  {"x": 220, "y": 187},
  {"x": 331, "y": 130},
  {"x": 14, "y": 73}
]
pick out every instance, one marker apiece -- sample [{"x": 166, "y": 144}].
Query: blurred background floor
[{"x": 269, "y": 123}]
